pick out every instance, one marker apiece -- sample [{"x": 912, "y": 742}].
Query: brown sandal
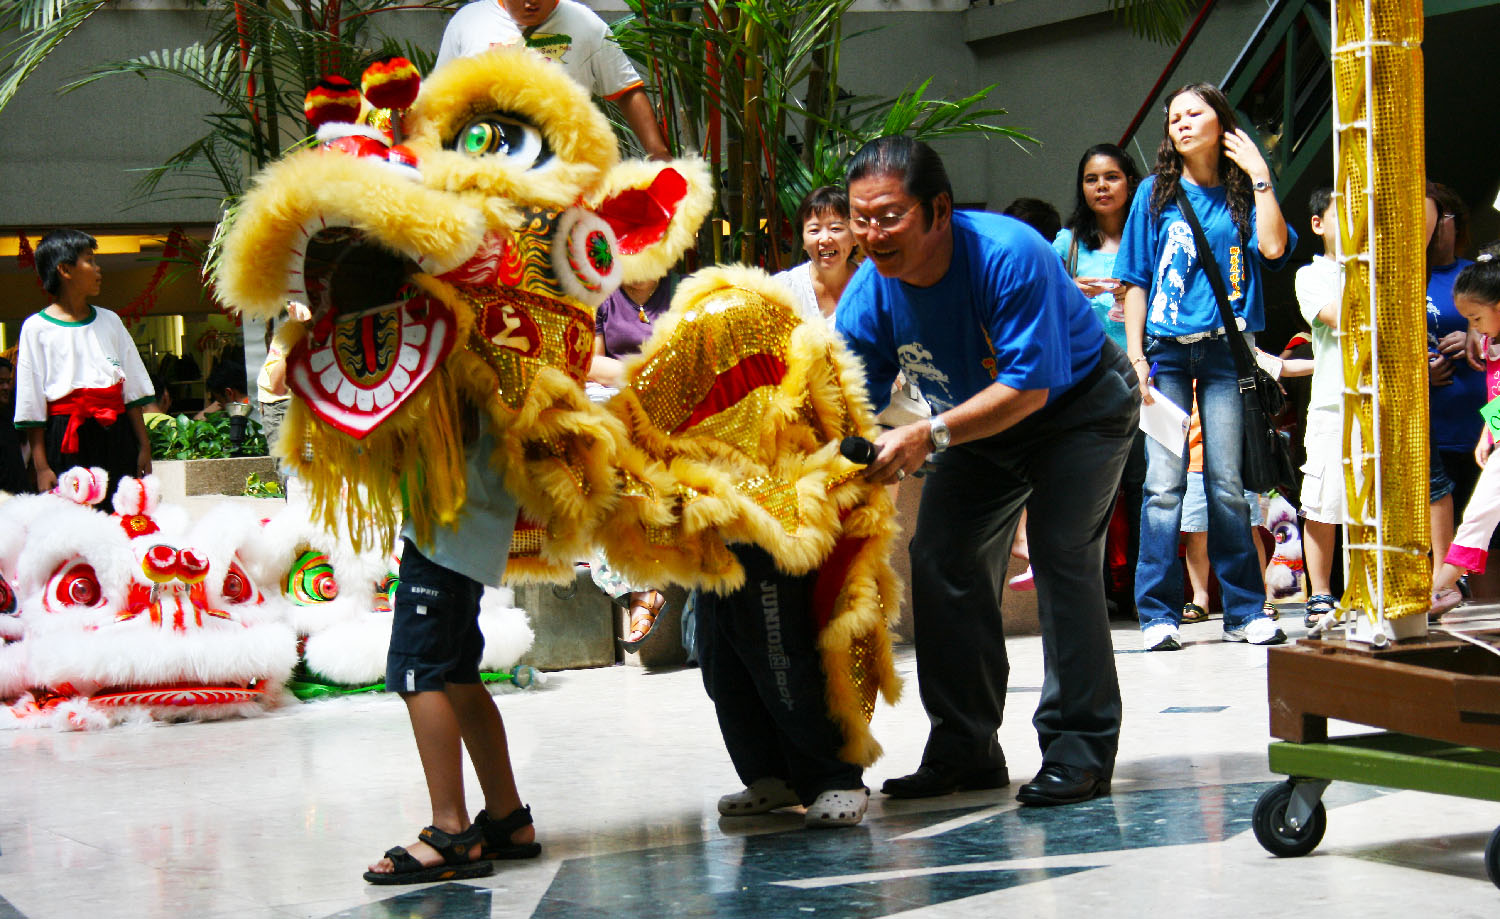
[{"x": 643, "y": 618}]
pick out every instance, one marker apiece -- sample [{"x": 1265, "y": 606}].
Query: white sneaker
[
  {"x": 1162, "y": 637},
  {"x": 1261, "y": 631},
  {"x": 763, "y": 796},
  {"x": 838, "y": 808}
]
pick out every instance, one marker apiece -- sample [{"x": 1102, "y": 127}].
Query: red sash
[{"x": 103, "y": 405}]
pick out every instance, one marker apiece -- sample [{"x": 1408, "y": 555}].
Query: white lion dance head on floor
[
  {"x": 135, "y": 614},
  {"x": 1284, "y": 571},
  {"x": 338, "y": 600}
]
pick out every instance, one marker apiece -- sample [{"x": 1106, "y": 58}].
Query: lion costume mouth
[
  {"x": 351, "y": 273},
  {"x": 377, "y": 336}
]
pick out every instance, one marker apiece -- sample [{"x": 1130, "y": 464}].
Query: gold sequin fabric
[
  {"x": 777, "y": 497},
  {"x": 517, "y": 333},
  {"x": 740, "y": 340},
  {"x": 864, "y": 672},
  {"x": 526, "y": 541},
  {"x": 1379, "y": 189}
]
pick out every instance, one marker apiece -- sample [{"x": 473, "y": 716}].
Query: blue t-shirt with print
[
  {"x": 1091, "y": 263},
  {"x": 1158, "y": 253},
  {"x": 1455, "y": 407},
  {"x": 1005, "y": 312}
]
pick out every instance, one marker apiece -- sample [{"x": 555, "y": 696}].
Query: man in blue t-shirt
[{"x": 1032, "y": 407}]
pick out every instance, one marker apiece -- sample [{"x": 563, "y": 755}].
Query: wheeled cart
[{"x": 1438, "y": 699}]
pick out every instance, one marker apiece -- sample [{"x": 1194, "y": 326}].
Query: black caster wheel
[
  {"x": 1492, "y": 858},
  {"x": 1279, "y": 838}
]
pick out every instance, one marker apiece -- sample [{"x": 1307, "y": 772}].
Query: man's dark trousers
[{"x": 1063, "y": 465}]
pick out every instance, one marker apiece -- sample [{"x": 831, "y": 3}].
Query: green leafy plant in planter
[
  {"x": 183, "y": 438},
  {"x": 256, "y": 487}
]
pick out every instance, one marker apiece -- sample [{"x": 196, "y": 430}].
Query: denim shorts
[
  {"x": 435, "y": 637},
  {"x": 1439, "y": 485}
]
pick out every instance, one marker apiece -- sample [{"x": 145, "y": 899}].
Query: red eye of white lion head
[
  {"x": 75, "y": 585},
  {"x": 7, "y": 598},
  {"x": 237, "y": 586}
]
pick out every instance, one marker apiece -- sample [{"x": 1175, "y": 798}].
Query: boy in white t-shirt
[
  {"x": 80, "y": 383},
  {"x": 571, "y": 34},
  {"x": 1319, "y": 291}
]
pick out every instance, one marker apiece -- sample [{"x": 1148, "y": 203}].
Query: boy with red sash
[{"x": 80, "y": 382}]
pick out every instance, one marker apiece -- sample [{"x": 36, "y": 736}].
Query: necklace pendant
[{"x": 642, "y": 311}]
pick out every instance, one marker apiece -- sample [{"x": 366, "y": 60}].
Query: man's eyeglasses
[{"x": 886, "y": 222}]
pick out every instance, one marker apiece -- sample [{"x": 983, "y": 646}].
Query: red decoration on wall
[
  {"x": 25, "y": 258},
  {"x": 137, "y": 309}
]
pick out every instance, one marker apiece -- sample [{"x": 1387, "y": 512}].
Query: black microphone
[
  {"x": 858, "y": 450},
  {"x": 863, "y": 452}
]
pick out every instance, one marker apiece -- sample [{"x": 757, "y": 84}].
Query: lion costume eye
[
  {"x": 493, "y": 134},
  {"x": 77, "y": 586},
  {"x": 311, "y": 579},
  {"x": 237, "y": 586},
  {"x": 385, "y": 592}
]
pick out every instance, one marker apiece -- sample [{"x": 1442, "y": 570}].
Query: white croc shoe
[
  {"x": 845, "y": 807},
  {"x": 763, "y": 796}
]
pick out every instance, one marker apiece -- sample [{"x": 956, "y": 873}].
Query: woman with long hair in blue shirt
[{"x": 1176, "y": 337}]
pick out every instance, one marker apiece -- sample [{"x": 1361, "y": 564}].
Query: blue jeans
[{"x": 1158, "y": 580}]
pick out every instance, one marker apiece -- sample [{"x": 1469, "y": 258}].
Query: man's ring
[{"x": 900, "y": 474}]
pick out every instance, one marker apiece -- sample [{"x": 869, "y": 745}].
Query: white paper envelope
[{"x": 1165, "y": 422}]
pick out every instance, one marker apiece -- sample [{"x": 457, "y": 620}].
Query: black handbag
[{"x": 1266, "y": 451}]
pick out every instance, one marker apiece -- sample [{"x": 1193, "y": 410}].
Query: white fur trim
[
  {"x": 137, "y": 496},
  {"x": 576, "y": 272},
  {"x": 82, "y": 486},
  {"x": 334, "y": 130}
]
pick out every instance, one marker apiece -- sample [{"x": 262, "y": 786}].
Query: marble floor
[{"x": 277, "y": 816}]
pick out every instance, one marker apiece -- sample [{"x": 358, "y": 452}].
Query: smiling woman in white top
[
  {"x": 818, "y": 282},
  {"x": 823, "y": 217}
]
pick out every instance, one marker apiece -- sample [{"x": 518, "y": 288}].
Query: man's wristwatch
[{"x": 940, "y": 434}]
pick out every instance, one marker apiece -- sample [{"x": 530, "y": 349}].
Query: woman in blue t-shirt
[
  {"x": 1089, "y": 241},
  {"x": 1176, "y": 337},
  {"x": 1087, "y": 244}
]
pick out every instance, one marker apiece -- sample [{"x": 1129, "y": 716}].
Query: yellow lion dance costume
[{"x": 458, "y": 272}]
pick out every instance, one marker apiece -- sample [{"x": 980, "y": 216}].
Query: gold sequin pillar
[{"x": 1379, "y": 180}]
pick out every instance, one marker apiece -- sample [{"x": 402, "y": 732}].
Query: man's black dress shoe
[
  {"x": 1059, "y": 783},
  {"x": 931, "y": 780}
]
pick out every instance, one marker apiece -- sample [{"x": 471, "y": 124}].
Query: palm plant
[
  {"x": 257, "y": 64},
  {"x": 728, "y": 73},
  {"x": 753, "y": 85}
]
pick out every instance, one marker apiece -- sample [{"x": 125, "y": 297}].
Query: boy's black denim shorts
[
  {"x": 1439, "y": 485},
  {"x": 435, "y": 637}
]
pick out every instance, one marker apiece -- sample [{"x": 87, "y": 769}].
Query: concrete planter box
[
  {"x": 573, "y": 624},
  {"x": 185, "y": 478}
]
